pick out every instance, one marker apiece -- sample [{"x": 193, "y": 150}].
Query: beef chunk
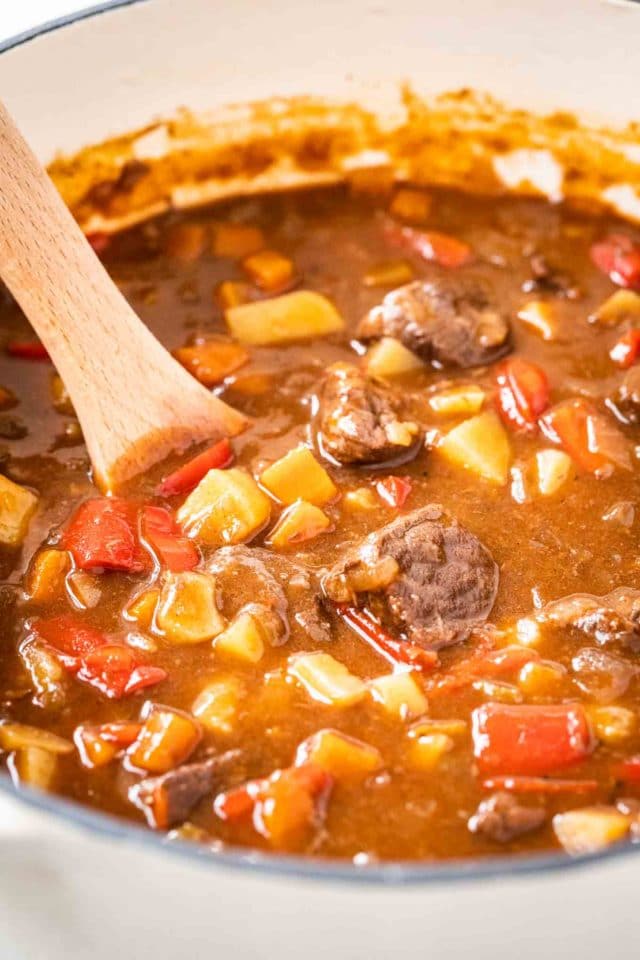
[
  {"x": 424, "y": 574},
  {"x": 358, "y": 420},
  {"x": 625, "y": 401},
  {"x": 502, "y": 818},
  {"x": 612, "y": 618},
  {"x": 451, "y": 321},
  {"x": 170, "y": 798}
]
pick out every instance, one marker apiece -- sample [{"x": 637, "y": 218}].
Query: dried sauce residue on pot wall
[{"x": 464, "y": 139}]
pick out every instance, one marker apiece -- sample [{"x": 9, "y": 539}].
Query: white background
[{"x": 19, "y": 15}]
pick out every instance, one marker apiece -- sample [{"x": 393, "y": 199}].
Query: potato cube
[
  {"x": 326, "y": 679},
  {"x": 18, "y": 736},
  {"x": 426, "y": 752},
  {"x": 411, "y": 205},
  {"x": 621, "y": 307},
  {"x": 390, "y": 358},
  {"x": 34, "y": 767},
  {"x": 218, "y": 704},
  {"x": 236, "y": 240},
  {"x": 540, "y": 679},
  {"x": 590, "y": 829},
  {"x": 244, "y": 638},
  {"x": 84, "y": 589},
  {"x": 296, "y": 472},
  {"x": 167, "y": 738},
  {"x": 496, "y": 690},
  {"x": 46, "y": 576},
  {"x": 362, "y": 498},
  {"x": 461, "y": 401},
  {"x": 612, "y": 725},
  {"x": 391, "y": 273},
  {"x": 210, "y": 362},
  {"x": 345, "y": 758},
  {"x": 554, "y": 468},
  {"x": 227, "y": 506},
  {"x": 47, "y": 674},
  {"x": 143, "y": 607},
  {"x": 17, "y": 506},
  {"x": 400, "y": 694},
  {"x": 294, "y": 316},
  {"x": 187, "y": 610},
  {"x": 184, "y": 241},
  {"x": 269, "y": 270},
  {"x": 231, "y": 293},
  {"x": 300, "y": 522},
  {"x": 427, "y": 726},
  {"x": 480, "y": 445},
  {"x": 540, "y": 316}
]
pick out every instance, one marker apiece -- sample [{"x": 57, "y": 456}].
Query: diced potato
[
  {"x": 411, "y": 205},
  {"x": 612, "y": 725},
  {"x": 143, "y": 607},
  {"x": 187, "y": 610},
  {"x": 345, "y": 758},
  {"x": 622, "y": 306},
  {"x": 293, "y": 316},
  {"x": 300, "y": 522},
  {"x": 60, "y": 397},
  {"x": 253, "y": 384},
  {"x": 400, "y": 694},
  {"x": 184, "y": 241},
  {"x": 540, "y": 679},
  {"x": 391, "y": 273},
  {"x": 461, "y": 401},
  {"x": 590, "y": 829},
  {"x": 480, "y": 445},
  {"x": 540, "y": 316},
  {"x": 363, "y": 498},
  {"x": 426, "y": 752},
  {"x": 34, "y": 767},
  {"x": 231, "y": 293},
  {"x": 326, "y": 679},
  {"x": 427, "y": 726},
  {"x": 227, "y": 506},
  {"x": 47, "y": 674},
  {"x": 84, "y": 589},
  {"x": 18, "y": 736},
  {"x": 495, "y": 690},
  {"x": 244, "y": 638},
  {"x": 210, "y": 362},
  {"x": 299, "y": 471},
  {"x": 167, "y": 738},
  {"x": 269, "y": 270},
  {"x": 236, "y": 240},
  {"x": 46, "y": 576},
  {"x": 390, "y": 358},
  {"x": 100, "y": 744},
  {"x": 17, "y": 506},
  {"x": 553, "y": 468},
  {"x": 218, "y": 704}
]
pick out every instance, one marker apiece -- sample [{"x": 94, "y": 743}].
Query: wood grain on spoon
[{"x": 135, "y": 403}]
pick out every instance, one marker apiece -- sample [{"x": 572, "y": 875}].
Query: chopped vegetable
[
  {"x": 212, "y": 360},
  {"x": 427, "y": 727},
  {"x": 540, "y": 316},
  {"x": 299, "y": 471},
  {"x": 17, "y": 506},
  {"x": 619, "y": 257},
  {"x": 400, "y": 694},
  {"x": 612, "y": 725},
  {"x": 98, "y": 745},
  {"x": 17, "y": 736},
  {"x": 411, "y": 205},
  {"x": 394, "y": 491},
  {"x": 398, "y": 652},
  {"x": 480, "y": 445},
  {"x": 621, "y": 306},
  {"x": 390, "y": 358},
  {"x": 496, "y": 690},
  {"x": 27, "y": 350},
  {"x": 269, "y": 270},
  {"x": 231, "y": 293},
  {"x": 236, "y": 240},
  {"x": 590, "y": 438},
  {"x": 363, "y": 498},
  {"x": 61, "y": 399},
  {"x": 103, "y": 534},
  {"x": 184, "y": 241},
  {"x": 244, "y": 638},
  {"x": 523, "y": 392},
  {"x": 326, "y": 679},
  {"x": 294, "y": 316},
  {"x": 539, "y": 679},
  {"x": 187, "y": 610},
  {"x": 440, "y": 248},
  {"x": 45, "y": 579},
  {"x": 35, "y": 767},
  {"x": 166, "y": 540},
  {"x": 590, "y": 829},
  {"x": 167, "y": 738},
  {"x": 554, "y": 468},
  {"x": 629, "y": 770},
  {"x": 514, "y": 739},
  {"x": 113, "y": 669},
  {"x": 543, "y": 785},
  {"x": 302, "y": 521},
  {"x": 227, "y": 506},
  {"x": 143, "y": 607},
  {"x": 344, "y": 757},
  {"x": 219, "y": 704},
  {"x": 46, "y": 672},
  {"x": 84, "y": 589},
  {"x": 461, "y": 401},
  {"x": 391, "y": 273},
  {"x": 426, "y": 751},
  {"x": 189, "y": 475},
  {"x": 626, "y": 350}
]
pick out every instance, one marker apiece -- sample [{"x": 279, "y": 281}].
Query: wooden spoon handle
[{"x": 135, "y": 403}]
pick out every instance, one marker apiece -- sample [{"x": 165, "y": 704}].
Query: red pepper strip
[
  {"x": 103, "y": 533},
  {"x": 432, "y": 246},
  {"x": 525, "y": 739},
  {"x": 619, "y": 257},
  {"x": 394, "y": 491},
  {"x": 188, "y": 476},
  {"x": 629, "y": 769},
  {"x": 465, "y": 671},
  {"x": 589, "y": 438},
  {"x": 27, "y": 350},
  {"x": 114, "y": 671},
  {"x": 626, "y": 350},
  {"x": 70, "y": 638},
  {"x": 539, "y": 785},
  {"x": 397, "y": 652},
  {"x": 504, "y": 662},
  {"x": 98, "y": 241},
  {"x": 523, "y": 393},
  {"x": 167, "y": 541}
]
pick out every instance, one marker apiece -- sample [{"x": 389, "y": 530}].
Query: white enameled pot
[{"x": 74, "y": 884}]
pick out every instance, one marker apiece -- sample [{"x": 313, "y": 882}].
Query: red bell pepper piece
[
  {"x": 526, "y": 739},
  {"x": 394, "y": 491},
  {"x": 98, "y": 242},
  {"x": 619, "y": 257},
  {"x": 629, "y": 769},
  {"x": 103, "y": 534},
  {"x": 431, "y": 245},
  {"x": 27, "y": 350},
  {"x": 587, "y": 436},
  {"x": 548, "y": 785},
  {"x": 397, "y": 652},
  {"x": 523, "y": 392},
  {"x": 167, "y": 541},
  {"x": 113, "y": 669},
  {"x": 505, "y": 662},
  {"x": 463, "y": 673},
  {"x": 188, "y": 476},
  {"x": 626, "y": 350},
  {"x": 71, "y": 638}
]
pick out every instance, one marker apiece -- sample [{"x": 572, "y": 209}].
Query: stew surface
[{"x": 397, "y": 618}]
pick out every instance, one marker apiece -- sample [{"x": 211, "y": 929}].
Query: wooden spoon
[{"x": 135, "y": 403}]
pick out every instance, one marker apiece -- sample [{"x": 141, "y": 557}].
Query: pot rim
[{"x": 393, "y": 873}]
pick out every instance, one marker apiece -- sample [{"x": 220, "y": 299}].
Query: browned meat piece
[
  {"x": 625, "y": 402},
  {"x": 451, "y": 322},
  {"x": 614, "y": 617},
  {"x": 358, "y": 420},
  {"x": 501, "y": 818},
  {"x": 170, "y": 798},
  {"x": 424, "y": 574}
]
